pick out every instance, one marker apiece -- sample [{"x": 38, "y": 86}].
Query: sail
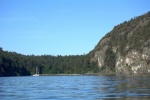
[{"x": 37, "y": 72}]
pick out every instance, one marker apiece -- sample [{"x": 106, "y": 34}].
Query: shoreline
[{"x": 67, "y": 74}]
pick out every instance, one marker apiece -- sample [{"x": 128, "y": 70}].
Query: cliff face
[{"x": 126, "y": 49}]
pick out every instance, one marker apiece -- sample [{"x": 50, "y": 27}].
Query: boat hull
[{"x": 35, "y": 75}]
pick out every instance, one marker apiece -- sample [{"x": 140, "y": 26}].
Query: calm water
[{"x": 75, "y": 88}]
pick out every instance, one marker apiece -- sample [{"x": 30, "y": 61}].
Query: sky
[{"x": 62, "y": 27}]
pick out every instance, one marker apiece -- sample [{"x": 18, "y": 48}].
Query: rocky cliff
[{"x": 126, "y": 49}]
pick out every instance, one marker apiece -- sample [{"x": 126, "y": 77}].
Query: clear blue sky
[{"x": 62, "y": 27}]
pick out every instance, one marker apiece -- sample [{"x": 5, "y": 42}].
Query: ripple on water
[{"x": 74, "y": 87}]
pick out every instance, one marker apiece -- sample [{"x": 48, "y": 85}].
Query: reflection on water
[
  {"x": 129, "y": 87},
  {"x": 75, "y": 88}
]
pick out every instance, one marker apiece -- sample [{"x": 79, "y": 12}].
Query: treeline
[{"x": 14, "y": 64}]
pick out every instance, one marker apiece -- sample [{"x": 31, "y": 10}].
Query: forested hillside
[
  {"x": 126, "y": 49},
  {"x": 14, "y": 64}
]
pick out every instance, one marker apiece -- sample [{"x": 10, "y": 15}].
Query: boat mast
[{"x": 36, "y": 70}]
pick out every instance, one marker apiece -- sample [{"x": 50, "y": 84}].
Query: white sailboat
[{"x": 37, "y": 73}]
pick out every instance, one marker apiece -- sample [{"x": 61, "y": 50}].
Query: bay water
[{"x": 75, "y": 88}]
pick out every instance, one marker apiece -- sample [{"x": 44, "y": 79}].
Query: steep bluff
[{"x": 126, "y": 49}]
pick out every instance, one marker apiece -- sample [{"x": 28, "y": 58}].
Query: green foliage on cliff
[
  {"x": 110, "y": 60},
  {"x": 131, "y": 35},
  {"x": 13, "y": 64}
]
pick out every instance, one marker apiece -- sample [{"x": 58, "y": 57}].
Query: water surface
[{"x": 75, "y": 88}]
